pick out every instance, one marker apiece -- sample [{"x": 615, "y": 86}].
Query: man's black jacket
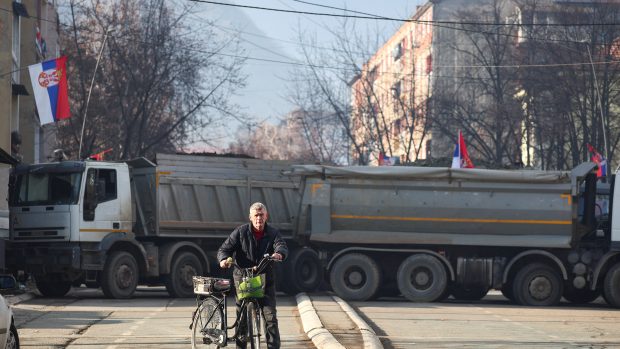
[{"x": 247, "y": 252}]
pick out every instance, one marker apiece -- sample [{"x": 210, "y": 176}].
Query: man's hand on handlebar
[
  {"x": 226, "y": 263},
  {"x": 277, "y": 257}
]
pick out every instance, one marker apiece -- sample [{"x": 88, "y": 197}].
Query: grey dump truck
[
  {"x": 428, "y": 233},
  {"x": 115, "y": 225}
]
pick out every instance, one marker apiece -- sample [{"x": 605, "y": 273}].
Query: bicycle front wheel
[
  {"x": 208, "y": 325},
  {"x": 254, "y": 327}
]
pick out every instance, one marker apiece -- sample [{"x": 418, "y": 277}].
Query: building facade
[
  {"x": 390, "y": 96},
  {"x": 28, "y": 34}
]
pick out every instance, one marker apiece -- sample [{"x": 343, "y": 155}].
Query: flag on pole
[
  {"x": 49, "y": 84},
  {"x": 599, "y": 160},
  {"x": 461, "y": 159},
  {"x": 99, "y": 155},
  {"x": 385, "y": 160}
]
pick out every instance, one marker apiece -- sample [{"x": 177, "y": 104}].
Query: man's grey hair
[{"x": 258, "y": 206}]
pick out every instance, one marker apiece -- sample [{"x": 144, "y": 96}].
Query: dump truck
[
  {"x": 425, "y": 233},
  {"x": 115, "y": 225},
  {"x": 428, "y": 233}
]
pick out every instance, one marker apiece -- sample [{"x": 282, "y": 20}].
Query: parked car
[{"x": 9, "y": 339}]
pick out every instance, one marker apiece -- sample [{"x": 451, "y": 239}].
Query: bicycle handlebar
[{"x": 260, "y": 267}]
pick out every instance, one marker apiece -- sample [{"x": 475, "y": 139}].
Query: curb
[
  {"x": 313, "y": 326},
  {"x": 15, "y": 299},
  {"x": 371, "y": 341}
]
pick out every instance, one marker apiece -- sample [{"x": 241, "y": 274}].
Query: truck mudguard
[
  {"x": 168, "y": 251},
  {"x": 109, "y": 240},
  {"x": 599, "y": 267},
  {"x": 546, "y": 254}
]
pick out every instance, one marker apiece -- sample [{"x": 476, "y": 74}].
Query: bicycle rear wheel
[
  {"x": 254, "y": 327},
  {"x": 208, "y": 325}
]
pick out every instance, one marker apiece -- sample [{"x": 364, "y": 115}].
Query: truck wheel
[
  {"x": 611, "y": 286},
  {"x": 537, "y": 284},
  {"x": 355, "y": 277},
  {"x": 472, "y": 293},
  {"x": 507, "y": 292},
  {"x": 580, "y": 296},
  {"x": 422, "y": 278},
  {"x": 52, "y": 288},
  {"x": 120, "y": 275},
  {"x": 179, "y": 283},
  {"x": 303, "y": 271}
]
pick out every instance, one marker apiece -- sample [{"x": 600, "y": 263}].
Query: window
[
  {"x": 428, "y": 148},
  {"x": 429, "y": 64},
  {"x": 106, "y": 185},
  {"x": 396, "y": 89},
  {"x": 43, "y": 188},
  {"x": 397, "y": 52},
  {"x": 15, "y": 46}
]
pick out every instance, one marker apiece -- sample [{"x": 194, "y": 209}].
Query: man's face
[{"x": 258, "y": 219}]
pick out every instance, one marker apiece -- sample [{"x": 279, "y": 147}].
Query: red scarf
[{"x": 258, "y": 234}]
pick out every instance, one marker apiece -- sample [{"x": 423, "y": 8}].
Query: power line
[{"x": 376, "y": 17}]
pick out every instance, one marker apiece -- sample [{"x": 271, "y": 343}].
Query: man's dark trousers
[{"x": 268, "y": 305}]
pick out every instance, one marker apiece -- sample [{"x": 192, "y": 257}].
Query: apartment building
[
  {"x": 28, "y": 34},
  {"x": 389, "y": 98}
]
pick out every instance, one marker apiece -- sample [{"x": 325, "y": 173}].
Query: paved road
[
  {"x": 491, "y": 323},
  {"x": 85, "y": 319}
]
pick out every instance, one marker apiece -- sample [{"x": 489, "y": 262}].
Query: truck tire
[
  {"x": 422, "y": 278},
  {"x": 120, "y": 275},
  {"x": 52, "y": 288},
  {"x": 355, "y": 277},
  {"x": 179, "y": 283},
  {"x": 508, "y": 292},
  {"x": 471, "y": 293},
  {"x": 611, "y": 286},
  {"x": 537, "y": 284},
  {"x": 303, "y": 271},
  {"x": 580, "y": 296}
]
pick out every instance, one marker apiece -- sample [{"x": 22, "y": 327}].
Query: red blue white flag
[
  {"x": 49, "y": 84},
  {"x": 599, "y": 160},
  {"x": 385, "y": 160},
  {"x": 461, "y": 159}
]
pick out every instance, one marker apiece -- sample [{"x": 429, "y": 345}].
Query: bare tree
[
  {"x": 376, "y": 110},
  {"x": 161, "y": 83},
  {"x": 574, "y": 100},
  {"x": 479, "y": 96},
  {"x": 290, "y": 140}
]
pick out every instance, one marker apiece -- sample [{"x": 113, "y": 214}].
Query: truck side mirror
[{"x": 90, "y": 195}]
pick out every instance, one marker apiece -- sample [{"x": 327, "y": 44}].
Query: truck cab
[{"x": 61, "y": 214}]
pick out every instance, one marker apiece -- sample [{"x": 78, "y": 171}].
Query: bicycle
[{"x": 209, "y": 320}]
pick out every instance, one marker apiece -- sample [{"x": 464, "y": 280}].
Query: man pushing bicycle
[{"x": 247, "y": 244}]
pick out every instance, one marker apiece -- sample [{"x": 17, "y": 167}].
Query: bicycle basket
[
  {"x": 209, "y": 285},
  {"x": 251, "y": 287}
]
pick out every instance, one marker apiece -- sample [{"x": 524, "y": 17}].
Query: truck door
[{"x": 100, "y": 208}]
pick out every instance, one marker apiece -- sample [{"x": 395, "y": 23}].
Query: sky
[{"x": 271, "y": 35}]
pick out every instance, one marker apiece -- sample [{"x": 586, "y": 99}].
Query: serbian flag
[
  {"x": 49, "y": 84},
  {"x": 461, "y": 159},
  {"x": 385, "y": 160},
  {"x": 599, "y": 160}
]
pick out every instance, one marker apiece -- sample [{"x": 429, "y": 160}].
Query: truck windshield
[{"x": 46, "y": 189}]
